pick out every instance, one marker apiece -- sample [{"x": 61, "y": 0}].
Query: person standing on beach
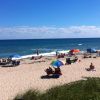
[
  {"x": 56, "y": 53},
  {"x": 37, "y": 52}
]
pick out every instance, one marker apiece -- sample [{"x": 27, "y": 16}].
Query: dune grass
[{"x": 88, "y": 89}]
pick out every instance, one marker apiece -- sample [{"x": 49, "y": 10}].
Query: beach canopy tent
[
  {"x": 75, "y": 51},
  {"x": 57, "y": 63},
  {"x": 91, "y": 50}
]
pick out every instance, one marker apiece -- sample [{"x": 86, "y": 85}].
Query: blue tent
[
  {"x": 15, "y": 56},
  {"x": 91, "y": 50}
]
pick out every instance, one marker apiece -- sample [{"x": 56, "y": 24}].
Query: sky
[{"x": 34, "y": 19}]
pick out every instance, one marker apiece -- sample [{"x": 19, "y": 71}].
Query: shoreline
[{"x": 49, "y": 54}]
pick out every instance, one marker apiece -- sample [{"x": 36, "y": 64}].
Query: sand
[{"x": 16, "y": 80}]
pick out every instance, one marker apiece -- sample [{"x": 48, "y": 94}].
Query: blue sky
[{"x": 49, "y": 18}]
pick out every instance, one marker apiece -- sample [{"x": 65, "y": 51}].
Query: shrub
[{"x": 80, "y": 90}]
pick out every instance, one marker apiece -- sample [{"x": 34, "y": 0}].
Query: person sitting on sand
[
  {"x": 58, "y": 71},
  {"x": 9, "y": 60},
  {"x": 49, "y": 71},
  {"x": 76, "y": 58},
  {"x": 68, "y": 61},
  {"x": 4, "y": 60},
  {"x": 32, "y": 58},
  {"x": 91, "y": 67}
]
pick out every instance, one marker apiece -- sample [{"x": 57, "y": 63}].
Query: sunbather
[
  {"x": 49, "y": 71},
  {"x": 68, "y": 61},
  {"x": 76, "y": 58},
  {"x": 57, "y": 71},
  {"x": 91, "y": 67}
]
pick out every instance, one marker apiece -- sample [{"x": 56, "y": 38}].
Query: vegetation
[{"x": 88, "y": 89}]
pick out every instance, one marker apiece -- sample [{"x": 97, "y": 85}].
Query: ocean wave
[
  {"x": 42, "y": 54},
  {"x": 80, "y": 44}
]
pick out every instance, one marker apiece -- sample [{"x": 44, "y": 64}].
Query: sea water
[{"x": 29, "y": 46}]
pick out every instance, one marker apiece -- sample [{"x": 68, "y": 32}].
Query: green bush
[
  {"x": 29, "y": 95},
  {"x": 88, "y": 89}
]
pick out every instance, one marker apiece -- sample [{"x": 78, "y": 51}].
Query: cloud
[{"x": 26, "y": 32}]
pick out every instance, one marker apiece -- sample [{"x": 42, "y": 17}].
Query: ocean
[{"x": 29, "y": 46}]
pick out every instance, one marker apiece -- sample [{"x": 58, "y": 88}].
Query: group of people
[
  {"x": 4, "y": 61},
  {"x": 69, "y": 61},
  {"x": 35, "y": 58},
  {"x": 8, "y": 62},
  {"x": 15, "y": 62},
  {"x": 60, "y": 55},
  {"x": 56, "y": 71}
]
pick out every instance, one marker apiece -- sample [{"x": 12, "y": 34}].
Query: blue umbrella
[
  {"x": 57, "y": 63},
  {"x": 15, "y": 56}
]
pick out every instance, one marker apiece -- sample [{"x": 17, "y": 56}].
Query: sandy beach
[
  {"x": 17, "y": 80},
  {"x": 35, "y": 35}
]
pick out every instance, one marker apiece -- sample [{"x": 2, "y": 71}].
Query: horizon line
[{"x": 51, "y": 38}]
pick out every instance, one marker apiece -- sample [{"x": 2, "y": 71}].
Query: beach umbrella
[
  {"x": 57, "y": 63},
  {"x": 15, "y": 56},
  {"x": 91, "y": 50},
  {"x": 75, "y": 50}
]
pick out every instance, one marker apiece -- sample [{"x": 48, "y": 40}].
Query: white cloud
[{"x": 49, "y": 32}]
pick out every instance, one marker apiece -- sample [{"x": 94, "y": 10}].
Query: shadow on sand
[{"x": 48, "y": 77}]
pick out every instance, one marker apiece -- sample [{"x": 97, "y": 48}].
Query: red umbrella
[{"x": 75, "y": 51}]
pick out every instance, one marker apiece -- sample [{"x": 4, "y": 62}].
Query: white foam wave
[
  {"x": 80, "y": 44},
  {"x": 42, "y": 54}
]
